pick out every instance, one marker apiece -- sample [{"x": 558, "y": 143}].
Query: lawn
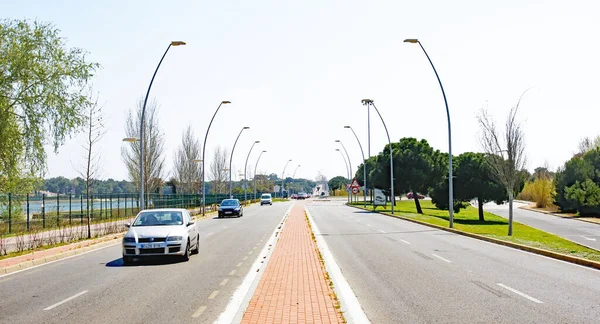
[{"x": 467, "y": 220}]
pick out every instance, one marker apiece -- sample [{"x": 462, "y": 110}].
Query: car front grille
[
  {"x": 151, "y": 239},
  {"x": 129, "y": 251},
  {"x": 173, "y": 249},
  {"x": 152, "y": 251}
]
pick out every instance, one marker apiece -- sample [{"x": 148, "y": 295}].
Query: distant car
[
  {"x": 410, "y": 196},
  {"x": 266, "y": 199},
  {"x": 157, "y": 232},
  {"x": 230, "y": 207},
  {"x": 294, "y": 196},
  {"x": 302, "y": 195}
]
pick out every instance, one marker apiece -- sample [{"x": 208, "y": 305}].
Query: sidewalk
[{"x": 295, "y": 286}]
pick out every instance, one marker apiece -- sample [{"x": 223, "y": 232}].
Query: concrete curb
[
  {"x": 58, "y": 256},
  {"x": 551, "y": 254},
  {"x": 555, "y": 215}
]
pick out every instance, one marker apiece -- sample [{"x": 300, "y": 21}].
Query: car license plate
[
  {"x": 227, "y": 212},
  {"x": 151, "y": 246}
]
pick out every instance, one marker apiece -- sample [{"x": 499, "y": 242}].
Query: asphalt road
[
  {"x": 403, "y": 272},
  {"x": 570, "y": 229},
  {"x": 97, "y": 288}
]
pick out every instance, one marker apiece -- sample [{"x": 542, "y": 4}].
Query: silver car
[{"x": 157, "y": 232}]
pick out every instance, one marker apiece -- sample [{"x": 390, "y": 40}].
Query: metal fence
[{"x": 26, "y": 213}]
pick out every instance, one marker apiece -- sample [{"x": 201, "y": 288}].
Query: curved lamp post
[
  {"x": 231, "y": 158},
  {"x": 256, "y": 165},
  {"x": 347, "y": 170},
  {"x": 173, "y": 43},
  {"x": 350, "y": 177},
  {"x": 203, "y": 157},
  {"x": 370, "y": 102},
  {"x": 296, "y": 169},
  {"x": 364, "y": 167},
  {"x": 283, "y": 175},
  {"x": 245, "y": 167},
  {"x": 450, "y": 189}
]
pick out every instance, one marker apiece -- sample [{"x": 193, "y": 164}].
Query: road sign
[
  {"x": 355, "y": 190},
  {"x": 354, "y": 184}
]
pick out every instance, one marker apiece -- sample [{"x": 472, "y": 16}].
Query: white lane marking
[
  {"x": 65, "y": 258},
  {"x": 403, "y": 241},
  {"x": 520, "y": 293},
  {"x": 211, "y": 233},
  {"x": 439, "y": 257},
  {"x": 238, "y": 302},
  {"x": 199, "y": 311},
  {"x": 351, "y": 308},
  {"x": 224, "y": 282},
  {"x": 588, "y": 238},
  {"x": 66, "y": 300},
  {"x": 245, "y": 258},
  {"x": 239, "y": 264},
  {"x": 232, "y": 272},
  {"x": 369, "y": 225},
  {"x": 382, "y": 231},
  {"x": 213, "y": 295}
]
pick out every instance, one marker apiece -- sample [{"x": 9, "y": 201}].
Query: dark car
[
  {"x": 302, "y": 195},
  {"x": 231, "y": 207}
]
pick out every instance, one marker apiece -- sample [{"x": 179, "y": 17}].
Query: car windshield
[
  {"x": 159, "y": 218},
  {"x": 229, "y": 202},
  {"x": 266, "y": 196}
]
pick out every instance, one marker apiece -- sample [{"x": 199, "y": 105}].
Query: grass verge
[{"x": 494, "y": 226}]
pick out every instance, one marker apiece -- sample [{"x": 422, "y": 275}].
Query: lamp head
[
  {"x": 411, "y": 40},
  {"x": 264, "y": 151},
  {"x": 256, "y": 142},
  {"x": 337, "y": 149},
  {"x": 347, "y": 127},
  {"x": 130, "y": 139},
  {"x": 177, "y": 43},
  {"x": 246, "y": 127},
  {"x": 366, "y": 101},
  {"x": 337, "y": 141},
  {"x": 225, "y": 102}
]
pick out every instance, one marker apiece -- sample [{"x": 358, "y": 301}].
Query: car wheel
[
  {"x": 196, "y": 250},
  {"x": 127, "y": 260},
  {"x": 186, "y": 255}
]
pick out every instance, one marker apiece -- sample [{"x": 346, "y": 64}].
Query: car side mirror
[
  {"x": 191, "y": 223},
  {"x": 128, "y": 225}
]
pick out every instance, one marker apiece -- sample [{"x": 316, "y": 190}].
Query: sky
[{"x": 296, "y": 71}]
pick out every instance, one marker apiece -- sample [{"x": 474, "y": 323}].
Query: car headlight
[
  {"x": 237, "y": 208},
  {"x": 174, "y": 238},
  {"x": 129, "y": 239}
]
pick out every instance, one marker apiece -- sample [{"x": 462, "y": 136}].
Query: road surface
[{"x": 402, "y": 272}]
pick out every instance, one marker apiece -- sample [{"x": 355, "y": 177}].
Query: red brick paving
[{"x": 293, "y": 288}]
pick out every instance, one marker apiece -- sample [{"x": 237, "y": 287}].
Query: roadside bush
[
  {"x": 577, "y": 184},
  {"x": 540, "y": 191}
]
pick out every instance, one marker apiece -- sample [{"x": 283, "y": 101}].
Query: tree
[
  {"x": 218, "y": 173},
  {"x": 154, "y": 146},
  {"x": 587, "y": 144},
  {"x": 416, "y": 167},
  {"x": 187, "y": 172},
  {"x": 574, "y": 189},
  {"x": 505, "y": 152},
  {"x": 94, "y": 131},
  {"x": 42, "y": 98},
  {"x": 337, "y": 183}
]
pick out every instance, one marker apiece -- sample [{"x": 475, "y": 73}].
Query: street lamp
[
  {"x": 231, "y": 157},
  {"x": 245, "y": 167},
  {"x": 368, "y": 102},
  {"x": 283, "y": 175},
  {"x": 347, "y": 171},
  {"x": 173, "y": 43},
  {"x": 256, "y": 165},
  {"x": 203, "y": 157},
  {"x": 450, "y": 189},
  {"x": 350, "y": 177},
  {"x": 294, "y": 176},
  {"x": 364, "y": 167}
]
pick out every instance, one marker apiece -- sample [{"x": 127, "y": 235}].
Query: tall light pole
[
  {"x": 231, "y": 158},
  {"x": 256, "y": 165},
  {"x": 368, "y": 102},
  {"x": 296, "y": 169},
  {"x": 350, "y": 177},
  {"x": 204, "y": 159},
  {"x": 142, "y": 142},
  {"x": 364, "y": 167},
  {"x": 347, "y": 171},
  {"x": 283, "y": 176},
  {"x": 245, "y": 167},
  {"x": 450, "y": 189}
]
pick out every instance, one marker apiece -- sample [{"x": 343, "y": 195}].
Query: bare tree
[
  {"x": 94, "y": 131},
  {"x": 505, "y": 152},
  {"x": 218, "y": 172},
  {"x": 154, "y": 147},
  {"x": 587, "y": 144},
  {"x": 186, "y": 171}
]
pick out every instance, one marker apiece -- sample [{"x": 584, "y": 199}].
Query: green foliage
[
  {"x": 43, "y": 87},
  {"x": 576, "y": 184},
  {"x": 338, "y": 183},
  {"x": 371, "y": 165},
  {"x": 62, "y": 185},
  {"x": 540, "y": 191}
]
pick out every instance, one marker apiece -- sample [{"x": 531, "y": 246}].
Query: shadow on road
[{"x": 147, "y": 261}]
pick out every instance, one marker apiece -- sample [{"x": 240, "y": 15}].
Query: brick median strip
[{"x": 295, "y": 287}]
